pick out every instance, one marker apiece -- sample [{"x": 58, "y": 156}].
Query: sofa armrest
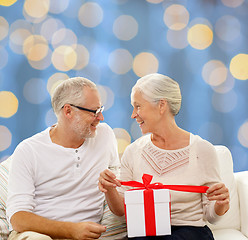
[{"x": 242, "y": 186}]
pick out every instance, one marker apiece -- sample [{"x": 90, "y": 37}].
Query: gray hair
[
  {"x": 70, "y": 91},
  {"x": 155, "y": 87}
]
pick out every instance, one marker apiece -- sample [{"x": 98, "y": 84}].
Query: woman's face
[{"x": 145, "y": 113}]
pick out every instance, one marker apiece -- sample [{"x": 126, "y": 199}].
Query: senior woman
[{"x": 173, "y": 156}]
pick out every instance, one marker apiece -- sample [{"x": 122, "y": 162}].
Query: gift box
[
  {"x": 148, "y": 207},
  {"x": 148, "y": 212}
]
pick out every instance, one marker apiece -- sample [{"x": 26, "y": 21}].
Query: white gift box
[{"x": 148, "y": 216}]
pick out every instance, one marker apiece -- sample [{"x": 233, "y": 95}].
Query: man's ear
[{"x": 67, "y": 110}]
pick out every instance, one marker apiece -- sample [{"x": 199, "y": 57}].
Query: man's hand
[
  {"x": 107, "y": 181},
  {"x": 87, "y": 230},
  {"x": 220, "y": 193}
]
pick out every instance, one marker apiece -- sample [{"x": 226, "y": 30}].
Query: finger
[
  {"x": 219, "y": 197},
  {"x": 101, "y": 188}
]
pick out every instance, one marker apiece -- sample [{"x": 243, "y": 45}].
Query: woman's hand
[
  {"x": 219, "y": 193},
  {"x": 107, "y": 181}
]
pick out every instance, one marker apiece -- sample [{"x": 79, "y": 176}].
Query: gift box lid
[{"x": 137, "y": 196}]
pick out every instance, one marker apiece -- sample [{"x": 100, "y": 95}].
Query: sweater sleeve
[{"x": 210, "y": 171}]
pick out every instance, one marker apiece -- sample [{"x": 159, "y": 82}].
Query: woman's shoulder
[{"x": 139, "y": 143}]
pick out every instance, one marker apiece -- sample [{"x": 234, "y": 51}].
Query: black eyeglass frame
[{"x": 96, "y": 112}]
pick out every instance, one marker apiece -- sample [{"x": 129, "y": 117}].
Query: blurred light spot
[
  {"x": 125, "y": 27},
  {"x": 232, "y": 3},
  {"x": 243, "y": 134},
  {"x": 214, "y": 72},
  {"x": 64, "y": 36},
  {"x": 43, "y": 63},
  {"x": 145, "y": 63},
  {"x": 107, "y": 96},
  {"x": 64, "y": 58},
  {"x": 51, "y": 118},
  {"x": 135, "y": 130},
  {"x": 200, "y": 36},
  {"x": 227, "y": 28},
  {"x": 49, "y": 27},
  {"x": 120, "y": 61},
  {"x": 176, "y": 17},
  {"x": 58, "y": 6},
  {"x": 35, "y": 47},
  {"x": 177, "y": 39},
  {"x": 239, "y": 66},
  {"x": 226, "y": 86},
  {"x": 224, "y": 102},
  {"x": 3, "y": 57},
  {"x": 8, "y": 104},
  {"x": 155, "y": 1},
  {"x": 34, "y": 91},
  {"x": 83, "y": 57},
  {"x": 19, "y": 31},
  {"x": 212, "y": 132},
  {"x": 90, "y": 14},
  {"x": 7, "y": 3},
  {"x": 55, "y": 80},
  {"x": 5, "y": 138},
  {"x": 36, "y": 8},
  {"x": 4, "y": 28},
  {"x": 123, "y": 139}
]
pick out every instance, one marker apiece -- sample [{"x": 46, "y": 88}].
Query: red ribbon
[
  {"x": 149, "y": 207},
  {"x": 147, "y": 185}
]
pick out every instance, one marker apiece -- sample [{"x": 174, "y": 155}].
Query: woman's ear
[{"x": 163, "y": 105}]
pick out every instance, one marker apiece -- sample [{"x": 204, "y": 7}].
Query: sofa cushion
[
  {"x": 232, "y": 218},
  {"x": 4, "y": 172}
]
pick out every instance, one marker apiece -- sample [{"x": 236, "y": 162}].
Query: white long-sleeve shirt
[
  {"x": 195, "y": 164},
  {"x": 61, "y": 183}
]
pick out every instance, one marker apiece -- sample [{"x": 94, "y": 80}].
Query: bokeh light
[
  {"x": 7, "y": 3},
  {"x": 35, "y": 47},
  {"x": 226, "y": 86},
  {"x": 5, "y": 138},
  {"x": 64, "y": 36},
  {"x": 123, "y": 139},
  {"x": 3, "y": 57},
  {"x": 227, "y": 28},
  {"x": 64, "y": 58},
  {"x": 239, "y": 66},
  {"x": 107, "y": 96},
  {"x": 55, "y": 80},
  {"x": 4, "y": 28},
  {"x": 58, "y": 6},
  {"x": 200, "y": 36},
  {"x": 90, "y": 14},
  {"x": 120, "y": 61},
  {"x": 34, "y": 91},
  {"x": 176, "y": 17},
  {"x": 145, "y": 63},
  {"x": 177, "y": 39},
  {"x": 155, "y": 1},
  {"x": 8, "y": 104},
  {"x": 36, "y": 8},
  {"x": 243, "y": 134},
  {"x": 225, "y": 102},
  {"x": 214, "y": 72},
  {"x": 232, "y": 3},
  {"x": 125, "y": 27}
]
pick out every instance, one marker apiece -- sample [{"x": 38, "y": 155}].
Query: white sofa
[{"x": 233, "y": 226}]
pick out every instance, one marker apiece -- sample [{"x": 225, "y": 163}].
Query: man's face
[{"x": 84, "y": 123}]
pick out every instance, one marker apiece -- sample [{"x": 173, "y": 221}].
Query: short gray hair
[
  {"x": 155, "y": 87},
  {"x": 70, "y": 91}
]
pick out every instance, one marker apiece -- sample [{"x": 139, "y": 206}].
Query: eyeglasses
[{"x": 96, "y": 112}]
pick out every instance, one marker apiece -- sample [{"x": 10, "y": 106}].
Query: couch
[{"x": 232, "y": 226}]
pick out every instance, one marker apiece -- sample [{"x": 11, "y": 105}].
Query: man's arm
[{"x": 27, "y": 221}]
